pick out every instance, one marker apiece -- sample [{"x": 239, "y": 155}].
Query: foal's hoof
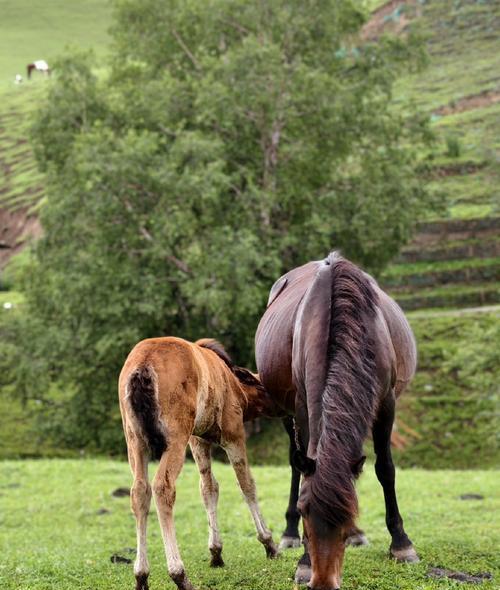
[
  {"x": 303, "y": 574},
  {"x": 357, "y": 540},
  {"x": 141, "y": 582},
  {"x": 405, "y": 555},
  {"x": 182, "y": 581},
  {"x": 289, "y": 542},
  {"x": 216, "y": 560}
]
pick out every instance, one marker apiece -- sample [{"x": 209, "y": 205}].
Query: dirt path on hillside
[
  {"x": 392, "y": 17},
  {"x": 483, "y": 99},
  {"x": 451, "y": 313}
]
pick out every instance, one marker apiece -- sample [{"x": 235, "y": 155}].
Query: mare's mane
[{"x": 350, "y": 395}]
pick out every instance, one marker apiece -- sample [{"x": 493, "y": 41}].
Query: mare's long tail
[
  {"x": 142, "y": 394},
  {"x": 350, "y": 394}
]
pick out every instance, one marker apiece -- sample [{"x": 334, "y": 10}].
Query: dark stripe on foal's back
[{"x": 142, "y": 395}]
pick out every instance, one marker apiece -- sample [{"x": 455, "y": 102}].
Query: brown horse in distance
[
  {"x": 335, "y": 352},
  {"x": 174, "y": 393}
]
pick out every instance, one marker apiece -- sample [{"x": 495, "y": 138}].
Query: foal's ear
[
  {"x": 357, "y": 466},
  {"x": 303, "y": 463}
]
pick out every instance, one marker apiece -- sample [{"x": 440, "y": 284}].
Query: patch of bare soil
[
  {"x": 392, "y": 17},
  {"x": 121, "y": 492},
  {"x": 16, "y": 229},
  {"x": 468, "y": 103},
  {"x": 460, "y": 169},
  {"x": 440, "y": 572}
]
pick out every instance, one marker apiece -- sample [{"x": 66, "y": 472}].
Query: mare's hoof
[
  {"x": 216, "y": 560},
  {"x": 272, "y": 551},
  {"x": 141, "y": 582},
  {"x": 289, "y": 542},
  {"x": 303, "y": 574},
  {"x": 405, "y": 555},
  {"x": 357, "y": 540}
]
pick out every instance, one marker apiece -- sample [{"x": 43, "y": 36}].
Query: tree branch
[{"x": 185, "y": 48}]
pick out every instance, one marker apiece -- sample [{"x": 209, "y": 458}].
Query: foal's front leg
[
  {"x": 209, "y": 489},
  {"x": 236, "y": 452}
]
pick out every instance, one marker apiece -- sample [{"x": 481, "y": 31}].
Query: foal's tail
[{"x": 142, "y": 394}]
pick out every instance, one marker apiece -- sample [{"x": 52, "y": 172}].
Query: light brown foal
[{"x": 174, "y": 393}]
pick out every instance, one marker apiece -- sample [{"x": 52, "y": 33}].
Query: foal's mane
[
  {"x": 350, "y": 395},
  {"x": 243, "y": 375}
]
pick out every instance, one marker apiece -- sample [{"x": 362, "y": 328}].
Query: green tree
[{"x": 230, "y": 142}]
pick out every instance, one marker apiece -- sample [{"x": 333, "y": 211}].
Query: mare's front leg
[
  {"x": 209, "y": 489},
  {"x": 401, "y": 546},
  {"x": 236, "y": 452},
  {"x": 164, "y": 491},
  {"x": 291, "y": 535}
]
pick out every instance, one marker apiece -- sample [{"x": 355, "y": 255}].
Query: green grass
[
  {"x": 397, "y": 270},
  {"x": 464, "y": 61},
  {"x": 37, "y": 29},
  {"x": 53, "y": 539},
  {"x": 14, "y": 297},
  {"x": 30, "y": 30}
]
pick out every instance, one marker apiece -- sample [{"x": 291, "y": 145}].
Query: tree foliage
[{"x": 229, "y": 142}]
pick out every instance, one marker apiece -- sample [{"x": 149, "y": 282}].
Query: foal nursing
[{"x": 174, "y": 393}]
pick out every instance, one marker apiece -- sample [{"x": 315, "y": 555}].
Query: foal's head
[{"x": 258, "y": 402}]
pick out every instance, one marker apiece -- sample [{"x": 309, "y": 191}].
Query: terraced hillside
[
  {"x": 455, "y": 261},
  {"x": 30, "y": 30}
]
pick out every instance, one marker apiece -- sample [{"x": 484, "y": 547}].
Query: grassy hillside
[
  {"x": 37, "y": 29},
  {"x": 54, "y": 537},
  {"x": 30, "y": 30},
  {"x": 460, "y": 90}
]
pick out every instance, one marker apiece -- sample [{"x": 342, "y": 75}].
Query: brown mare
[
  {"x": 335, "y": 352},
  {"x": 174, "y": 393}
]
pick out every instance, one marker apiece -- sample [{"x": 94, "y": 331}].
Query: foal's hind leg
[
  {"x": 236, "y": 451},
  {"x": 209, "y": 489},
  {"x": 401, "y": 546},
  {"x": 164, "y": 491},
  {"x": 140, "y": 500}
]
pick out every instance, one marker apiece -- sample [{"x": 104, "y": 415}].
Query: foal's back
[{"x": 193, "y": 385}]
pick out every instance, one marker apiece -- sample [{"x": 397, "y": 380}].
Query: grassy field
[
  {"x": 52, "y": 536},
  {"x": 36, "y": 29}
]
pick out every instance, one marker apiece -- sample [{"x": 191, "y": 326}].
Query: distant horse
[
  {"x": 335, "y": 352},
  {"x": 39, "y": 66},
  {"x": 173, "y": 392}
]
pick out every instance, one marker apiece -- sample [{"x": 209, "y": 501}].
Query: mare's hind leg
[
  {"x": 401, "y": 546},
  {"x": 236, "y": 451},
  {"x": 140, "y": 500},
  {"x": 209, "y": 489},
  {"x": 164, "y": 491},
  {"x": 356, "y": 538},
  {"x": 291, "y": 535}
]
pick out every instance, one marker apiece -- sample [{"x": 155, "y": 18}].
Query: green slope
[{"x": 41, "y": 29}]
